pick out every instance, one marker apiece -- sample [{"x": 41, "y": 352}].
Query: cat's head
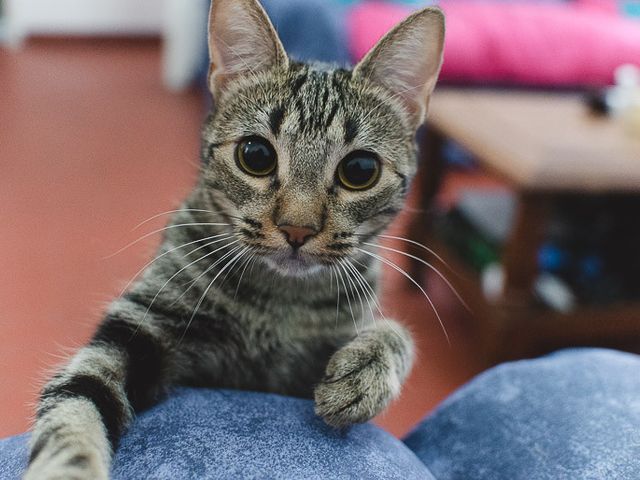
[{"x": 309, "y": 161}]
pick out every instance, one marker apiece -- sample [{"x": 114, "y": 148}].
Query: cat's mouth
[{"x": 293, "y": 263}]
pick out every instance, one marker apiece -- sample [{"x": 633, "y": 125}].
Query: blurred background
[{"x": 528, "y": 188}]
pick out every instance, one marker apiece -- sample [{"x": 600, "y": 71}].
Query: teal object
[{"x": 631, "y": 8}]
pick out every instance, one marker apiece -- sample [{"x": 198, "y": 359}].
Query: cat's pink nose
[{"x": 297, "y": 236}]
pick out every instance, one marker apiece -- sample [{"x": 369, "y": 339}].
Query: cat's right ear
[
  {"x": 242, "y": 41},
  {"x": 407, "y": 60}
]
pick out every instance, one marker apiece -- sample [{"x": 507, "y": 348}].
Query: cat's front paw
[
  {"x": 360, "y": 382},
  {"x": 78, "y": 465}
]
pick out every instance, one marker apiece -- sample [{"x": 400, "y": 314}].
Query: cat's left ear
[
  {"x": 407, "y": 60},
  {"x": 242, "y": 41}
]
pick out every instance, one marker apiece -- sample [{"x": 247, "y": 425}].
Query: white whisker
[
  {"x": 337, "y": 294},
  {"x": 195, "y": 311},
  {"x": 420, "y": 245},
  {"x": 348, "y": 300},
  {"x": 249, "y": 260},
  {"x": 162, "y": 230},
  {"x": 350, "y": 268},
  {"x": 224, "y": 279},
  {"x": 366, "y": 286},
  {"x": 168, "y": 212},
  {"x": 400, "y": 270},
  {"x": 427, "y": 264},
  {"x": 353, "y": 288},
  {"x": 174, "y": 276},
  {"x": 201, "y": 247},
  {"x": 374, "y": 297},
  {"x": 126, "y": 287},
  {"x": 194, "y": 282}
]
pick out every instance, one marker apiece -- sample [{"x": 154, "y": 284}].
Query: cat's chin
[{"x": 292, "y": 265}]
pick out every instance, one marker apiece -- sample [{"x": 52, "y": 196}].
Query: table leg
[
  {"x": 520, "y": 257},
  {"x": 425, "y": 187},
  {"x": 509, "y": 331}
]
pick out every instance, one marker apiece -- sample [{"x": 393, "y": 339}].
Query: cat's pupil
[
  {"x": 359, "y": 170},
  {"x": 256, "y": 156}
]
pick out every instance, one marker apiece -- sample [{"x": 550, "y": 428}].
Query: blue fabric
[
  {"x": 13, "y": 456},
  {"x": 311, "y": 30},
  {"x": 574, "y": 415},
  {"x": 212, "y": 434}
]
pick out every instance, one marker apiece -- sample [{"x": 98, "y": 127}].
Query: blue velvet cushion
[
  {"x": 202, "y": 434},
  {"x": 311, "y": 30},
  {"x": 573, "y": 415}
]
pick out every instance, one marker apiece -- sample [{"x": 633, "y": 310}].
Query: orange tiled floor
[{"x": 90, "y": 145}]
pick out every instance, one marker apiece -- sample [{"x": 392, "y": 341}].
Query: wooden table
[{"x": 544, "y": 145}]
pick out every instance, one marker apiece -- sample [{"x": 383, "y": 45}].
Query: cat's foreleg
[
  {"x": 87, "y": 405},
  {"x": 365, "y": 375}
]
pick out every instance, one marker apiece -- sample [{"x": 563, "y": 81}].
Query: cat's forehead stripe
[
  {"x": 299, "y": 82},
  {"x": 350, "y": 130},
  {"x": 315, "y": 96},
  {"x": 275, "y": 119}
]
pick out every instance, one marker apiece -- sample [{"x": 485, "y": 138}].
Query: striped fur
[{"x": 226, "y": 303}]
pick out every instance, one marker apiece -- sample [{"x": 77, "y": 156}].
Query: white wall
[
  {"x": 83, "y": 17},
  {"x": 182, "y": 23},
  {"x": 185, "y": 33}
]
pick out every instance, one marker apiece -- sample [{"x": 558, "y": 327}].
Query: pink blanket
[{"x": 530, "y": 43}]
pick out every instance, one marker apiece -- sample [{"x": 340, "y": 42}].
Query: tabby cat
[{"x": 265, "y": 276}]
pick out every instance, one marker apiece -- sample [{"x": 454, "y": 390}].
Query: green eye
[
  {"x": 359, "y": 170},
  {"x": 256, "y": 156}
]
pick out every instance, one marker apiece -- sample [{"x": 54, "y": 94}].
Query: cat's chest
[
  {"x": 278, "y": 364},
  {"x": 260, "y": 330},
  {"x": 284, "y": 313},
  {"x": 283, "y": 350}
]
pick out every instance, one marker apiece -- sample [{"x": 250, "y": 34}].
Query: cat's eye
[
  {"x": 359, "y": 170},
  {"x": 256, "y": 156}
]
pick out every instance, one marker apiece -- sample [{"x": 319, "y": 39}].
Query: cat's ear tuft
[
  {"x": 407, "y": 60},
  {"x": 242, "y": 41}
]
